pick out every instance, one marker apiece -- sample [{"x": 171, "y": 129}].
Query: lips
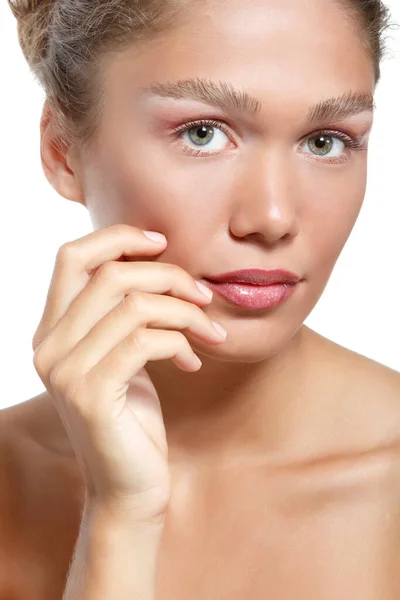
[
  {"x": 247, "y": 295},
  {"x": 256, "y": 277},
  {"x": 254, "y": 288}
]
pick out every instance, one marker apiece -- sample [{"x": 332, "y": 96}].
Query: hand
[{"x": 103, "y": 320}]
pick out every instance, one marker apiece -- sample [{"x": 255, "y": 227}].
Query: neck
[{"x": 229, "y": 412}]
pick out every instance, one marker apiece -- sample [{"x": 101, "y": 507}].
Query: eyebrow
[{"x": 223, "y": 95}]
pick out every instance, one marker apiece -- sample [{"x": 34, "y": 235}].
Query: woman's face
[{"x": 260, "y": 189}]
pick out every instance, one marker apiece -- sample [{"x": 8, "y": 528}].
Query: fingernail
[
  {"x": 220, "y": 329},
  {"x": 204, "y": 290},
  {"x": 155, "y": 236},
  {"x": 199, "y": 363}
]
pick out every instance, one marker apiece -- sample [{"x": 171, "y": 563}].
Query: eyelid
[
  {"x": 200, "y": 122},
  {"x": 351, "y": 141}
]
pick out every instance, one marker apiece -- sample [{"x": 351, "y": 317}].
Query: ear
[{"x": 59, "y": 166}]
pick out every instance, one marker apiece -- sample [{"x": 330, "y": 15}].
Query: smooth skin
[{"x": 283, "y": 472}]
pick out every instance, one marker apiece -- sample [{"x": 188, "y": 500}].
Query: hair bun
[{"x": 34, "y": 17}]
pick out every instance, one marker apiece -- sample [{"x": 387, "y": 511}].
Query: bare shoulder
[
  {"x": 41, "y": 494},
  {"x": 360, "y": 421},
  {"x": 37, "y": 456},
  {"x": 36, "y": 422},
  {"x": 360, "y": 373},
  {"x": 366, "y": 392}
]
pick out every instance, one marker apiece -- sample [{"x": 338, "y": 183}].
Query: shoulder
[
  {"x": 361, "y": 432},
  {"x": 363, "y": 393},
  {"x": 36, "y": 451},
  {"x": 355, "y": 372},
  {"x": 41, "y": 494}
]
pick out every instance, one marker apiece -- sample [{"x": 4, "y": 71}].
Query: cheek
[
  {"x": 169, "y": 193},
  {"x": 187, "y": 203},
  {"x": 330, "y": 215}
]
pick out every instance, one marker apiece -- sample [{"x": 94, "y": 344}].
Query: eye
[
  {"x": 331, "y": 144},
  {"x": 207, "y": 134}
]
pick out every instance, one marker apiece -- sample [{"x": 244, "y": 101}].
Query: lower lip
[{"x": 252, "y": 296}]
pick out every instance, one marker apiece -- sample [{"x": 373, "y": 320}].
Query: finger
[
  {"x": 114, "y": 371},
  {"x": 110, "y": 377},
  {"x": 77, "y": 261},
  {"x": 107, "y": 288},
  {"x": 134, "y": 311}
]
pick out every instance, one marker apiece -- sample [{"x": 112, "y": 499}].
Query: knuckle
[
  {"x": 122, "y": 229},
  {"x": 76, "y": 391},
  {"x": 136, "y": 340},
  {"x": 133, "y": 302},
  {"x": 108, "y": 271},
  {"x": 177, "y": 271},
  {"x": 59, "y": 377},
  {"x": 66, "y": 252},
  {"x": 39, "y": 360}
]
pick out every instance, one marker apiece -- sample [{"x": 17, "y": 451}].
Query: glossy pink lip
[{"x": 254, "y": 288}]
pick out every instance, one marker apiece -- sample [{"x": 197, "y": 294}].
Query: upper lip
[{"x": 256, "y": 276}]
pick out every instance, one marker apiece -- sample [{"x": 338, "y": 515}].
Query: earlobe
[{"x": 56, "y": 163}]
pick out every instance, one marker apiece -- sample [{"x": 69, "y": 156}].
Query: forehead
[{"x": 278, "y": 49}]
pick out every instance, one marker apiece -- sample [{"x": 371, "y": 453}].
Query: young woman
[{"x": 270, "y": 469}]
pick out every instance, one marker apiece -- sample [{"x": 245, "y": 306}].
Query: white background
[{"x": 359, "y": 308}]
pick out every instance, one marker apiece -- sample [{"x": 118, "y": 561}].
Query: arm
[{"x": 114, "y": 557}]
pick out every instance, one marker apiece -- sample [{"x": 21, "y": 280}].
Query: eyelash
[{"x": 349, "y": 141}]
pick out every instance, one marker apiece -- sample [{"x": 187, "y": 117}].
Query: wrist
[{"x": 116, "y": 554}]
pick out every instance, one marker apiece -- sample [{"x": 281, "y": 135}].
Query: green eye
[
  {"x": 321, "y": 144},
  {"x": 208, "y": 134},
  {"x": 202, "y": 135}
]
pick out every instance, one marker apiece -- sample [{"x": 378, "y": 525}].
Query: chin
[{"x": 248, "y": 347}]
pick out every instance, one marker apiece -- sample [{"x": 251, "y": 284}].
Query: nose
[{"x": 264, "y": 203}]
